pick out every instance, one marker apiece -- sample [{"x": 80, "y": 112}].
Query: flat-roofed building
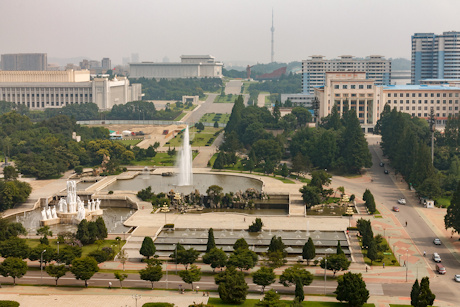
[
  {"x": 24, "y": 61},
  {"x": 191, "y": 66},
  {"x": 55, "y": 89}
]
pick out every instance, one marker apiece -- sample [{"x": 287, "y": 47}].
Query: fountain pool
[{"x": 201, "y": 182}]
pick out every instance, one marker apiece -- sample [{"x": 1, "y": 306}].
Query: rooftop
[{"x": 421, "y": 87}]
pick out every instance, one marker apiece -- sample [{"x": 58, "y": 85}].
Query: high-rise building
[
  {"x": 314, "y": 70},
  {"x": 24, "y": 61},
  {"x": 435, "y": 56},
  {"x": 135, "y": 58},
  {"x": 106, "y": 64}
]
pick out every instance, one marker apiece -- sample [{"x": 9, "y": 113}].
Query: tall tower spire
[{"x": 273, "y": 40}]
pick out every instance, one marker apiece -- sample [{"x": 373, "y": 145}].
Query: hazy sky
[{"x": 230, "y": 30}]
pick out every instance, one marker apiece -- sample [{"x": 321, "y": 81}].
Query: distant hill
[
  {"x": 260, "y": 69},
  {"x": 400, "y": 64}
]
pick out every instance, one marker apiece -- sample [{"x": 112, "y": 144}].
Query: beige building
[
  {"x": 54, "y": 89},
  {"x": 353, "y": 90},
  {"x": 191, "y": 66}
]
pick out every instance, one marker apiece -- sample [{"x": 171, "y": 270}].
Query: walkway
[{"x": 233, "y": 87}]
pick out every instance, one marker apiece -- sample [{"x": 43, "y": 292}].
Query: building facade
[
  {"x": 435, "y": 56},
  {"x": 24, "y": 61},
  {"x": 354, "y": 91},
  {"x": 314, "y": 70},
  {"x": 191, "y": 66},
  {"x": 56, "y": 89}
]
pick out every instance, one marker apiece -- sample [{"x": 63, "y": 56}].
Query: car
[
  {"x": 437, "y": 241},
  {"x": 457, "y": 277},
  {"x": 436, "y": 257},
  {"x": 386, "y": 171},
  {"x": 395, "y": 209},
  {"x": 402, "y": 201},
  {"x": 382, "y": 164},
  {"x": 440, "y": 269}
]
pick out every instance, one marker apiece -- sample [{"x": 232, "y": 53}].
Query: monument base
[{"x": 50, "y": 222}]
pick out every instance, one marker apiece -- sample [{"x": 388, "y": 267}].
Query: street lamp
[
  {"x": 136, "y": 297},
  {"x": 325, "y": 267},
  {"x": 407, "y": 262},
  {"x": 41, "y": 270},
  {"x": 58, "y": 247}
]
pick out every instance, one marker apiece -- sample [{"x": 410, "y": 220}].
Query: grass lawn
[
  {"x": 444, "y": 202},
  {"x": 388, "y": 256},
  {"x": 180, "y": 116},
  {"x": 128, "y": 142},
  {"x": 251, "y": 302},
  {"x": 215, "y": 117},
  {"x": 398, "y": 305},
  {"x": 198, "y": 138},
  {"x": 161, "y": 158},
  {"x": 32, "y": 243},
  {"x": 225, "y": 99}
]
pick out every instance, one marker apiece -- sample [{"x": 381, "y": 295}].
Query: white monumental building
[
  {"x": 39, "y": 90},
  {"x": 190, "y": 66}
]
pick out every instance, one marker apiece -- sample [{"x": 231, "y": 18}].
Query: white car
[
  {"x": 457, "y": 278},
  {"x": 402, "y": 201},
  {"x": 437, "y": 241},
  {"x": 436, "y": 257}
]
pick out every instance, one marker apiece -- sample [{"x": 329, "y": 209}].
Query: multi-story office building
[
  {"x": 56, "y": 89},
  {"x": 353, "y": 91},
  {"x": 435, "y": 56},
  {"x": 24, "y": 61},
  {"x": 314, "y": 70},
  {"x": 191, "y": 66},
  {"x": 106, "y": 64}
]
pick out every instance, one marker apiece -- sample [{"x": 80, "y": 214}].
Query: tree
[
  {"x": 335, "y": 263},
  {"x": 351, "y": 288},
  {"x": 10, "y": 230},
  {"x": 425, "y": 297},
  {"x": 219, "y": 163},
  {"x": 452, "y": 217},
  {"x": 232, "y": 286},
  {"x": 187, "y": 256},
  {"x": 148, "y": 248},
  {"x": 68, "y": 253},
  {"x": 152, "y": 273},
  {"x": 244, "y": 259},
  {"x": 339, "y": 249},
  {"x": 240, "y": 243},
  {"x": 414, "y": 293},
  {"x": 13, "y": 267},
  {"x": 370, "y": 202},
  {"x": 299, "y": 294},
  {"x": 14, "y": 247},
  {"x": 211, "y": 242},
  {"x": 120, "y": 277},
  {"x": 310, "y": 195},
  {"x": 372, "y": 252},
  {"x": 302, "y": 114},
  {"x": 291, "y": 275},
  {"x": 216, "y": 257},
  {"x": 56, "y": 271},
  {"x": 265, "y": 276},
  {"x": 9, "y": 173},
  {"x": 276, "y": 255},
  {"x": 309, "y": 251},
  {"x": 123, "y": 257},
  {"x": 284, "y": 170},
  {"x": 216, "y": 124},
  {"x": 190, "y": 276},
  {"x": 101, "y": 229},
  {"x": 48, "y": 256},
  {"x": 271, "y": 299},
  {"x": 84, "y": 268},
  {"x": 256, "y": 226}
]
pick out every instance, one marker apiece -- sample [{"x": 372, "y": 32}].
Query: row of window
[
  {"x": 424, "y": 95},
  {"x": 353, "y": 86},
  {"x": 425, "y": 101},
  {"x": 7, "y": 96},
  {"x": 426, "y": 108},
  {"x": 354, "y": 95},
  {"x": 34, "y": 104}
]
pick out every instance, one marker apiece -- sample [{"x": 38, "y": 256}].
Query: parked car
[
  {"x": 440, "y": 269},
  {"x": 395, "y": 208},
  {"x": 402, "y": 201},
  {"x": 386, "y": 171},
  {"x": 437, "y": 241},
  {"x": 382, "y": 164},
  {"x": 457, "y": 277},
  {"x": 436, "y": 257}
]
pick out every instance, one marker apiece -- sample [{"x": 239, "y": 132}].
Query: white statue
[
  {"x": 81, "y": 211},
  {"x": 93, "y": 205},
  {"x": 72, "y": 193},
  {"x": 48, "y": 213},
  {"x": 44, "y": 214},
  {"x": 89, "y": 205},
  {"x": 98, "y": 203},
  {"x": 61, "y": 204},
  {"x": 53, "y": 213}
]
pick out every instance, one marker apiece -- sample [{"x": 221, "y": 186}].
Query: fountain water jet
[{"x": 185, "y": 161}]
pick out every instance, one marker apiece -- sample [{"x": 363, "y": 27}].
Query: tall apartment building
[
  {"x": 24, "y": 61},
  {"x": 435, "y": 56},
  {"x": 106, "y": 64},
  {"x": 314, "y": 70}
]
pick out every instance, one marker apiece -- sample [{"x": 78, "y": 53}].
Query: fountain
[{"x": 185, "y": 161}]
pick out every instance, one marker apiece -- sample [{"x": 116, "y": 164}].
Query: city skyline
[{"x": 236, "y": 31}]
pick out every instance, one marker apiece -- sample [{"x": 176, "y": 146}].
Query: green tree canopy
[
  {"x": 190, "y": 276},
  {"x": 264, "y": 277},
  {"x": 351, "y": 288},
  {"x": 335, "y": 263},
  {"x": 84, "y": 268},
  {"x": 152, "y": 273},
  {"x": 216, "y": 258},
  {"x": 56, "y": 271},
  {"x": 211, "y": 242},
  {"x": 13, "y": 267},
  {"x": 148, "y": 248},
  {"x": 308, "y": 250},
  {"x": 271, "y": 299},
  {"x": 292, "y": 274},
  {"x": 232, "y": 286}
]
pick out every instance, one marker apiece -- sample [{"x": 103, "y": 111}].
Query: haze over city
[{"x": 230, "y": 30}]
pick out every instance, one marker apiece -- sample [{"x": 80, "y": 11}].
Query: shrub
[
  {"x": 9, "y": 304},
  {"x": 110, "y": 192},
  {"x": 168, "y": 226},
  {"x": 101, "y": 255},
  {"x": 158, "y": 305}
]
